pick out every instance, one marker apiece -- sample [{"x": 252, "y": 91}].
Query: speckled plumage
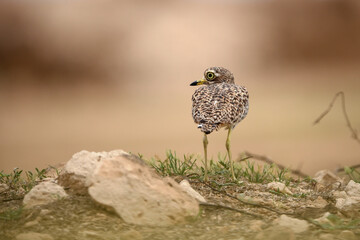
[{"x": 220, "y": 102}]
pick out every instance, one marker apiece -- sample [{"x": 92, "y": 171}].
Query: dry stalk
[
  {"x": 353, "y": 131},
  {"x": 231, "y": 209}
]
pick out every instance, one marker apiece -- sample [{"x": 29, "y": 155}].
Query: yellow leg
[
  {"x": 229, "y": 154},
  {"x": 205, "y": 142}
]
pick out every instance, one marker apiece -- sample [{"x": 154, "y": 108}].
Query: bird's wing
[{"x": 216, "y": 106}]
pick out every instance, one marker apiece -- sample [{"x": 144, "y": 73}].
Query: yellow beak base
[{"x": 199, "y": 82}]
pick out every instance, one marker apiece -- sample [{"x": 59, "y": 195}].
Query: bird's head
[{"x": 214, "y": 75}]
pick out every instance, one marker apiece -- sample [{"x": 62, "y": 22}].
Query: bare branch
[
  {"x": 353, "y": 131},
  {"x": 269, "y": 161}
]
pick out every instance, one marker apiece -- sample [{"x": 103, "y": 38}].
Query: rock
[
  {"x": 324, "y": 219},
  {"x": 325, "y": 236},
  {"x": 353, "y": 189},
  {"x": 348, "y": 202},
  {"x": 138, "y": 195},
  {"x": 319, "y": 202},
  {"x": 131, "y": 235},
  {"x": 256, "y": 225},
  {"x": 276, "y": 233},
  {"x": 3, "y": 187},
  {"x": 296, "y": 225},
  {"x": 185, "y": 185},
  {"x": 31, "y": 223},
  {"x": 347, "y": 235},
  {"x": 78, "y": 170},
  {"x": 33, "y": 236},
  {"x": 278, "y": 186},
  {"x": 44, "y": 212},
  {"x": 44, "y": 193},
  {"x": 326, "y": 179}
]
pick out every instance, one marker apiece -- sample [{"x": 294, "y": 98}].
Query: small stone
[
  {"x": 326, "y": 236},
  {"x": 185, "y": 185},
  {"x": 131, "y": 235},
  {"x": 44, "y": 193},
  {"x": 90, "y": 234},
  {"x": 347, "y": 235},
  {"x": 44, "y": 212},
  {"x": 296, "y": 225},
  {"x": 33, "y": 236},
  {"x": 319, "y": 202},
  {"x": 31, "y": 223},
  {"x": 326, "y": 179},
  {"x": 324, "y": 219},
  {"x": 256, "y": 225},
  {"x": 353, "y": 189},
  {"x": 3, "y": 187},
  {"x": 348, "y": 202},
  {"x": 278, "y": 186},
  {"x": 276, "y": 233}
]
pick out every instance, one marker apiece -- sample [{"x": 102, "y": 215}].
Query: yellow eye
[{"x": 210, "y": 75}]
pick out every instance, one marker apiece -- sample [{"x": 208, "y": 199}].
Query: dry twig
[
  {"x": 269, "y": 161},
  {"x": 231, "y": 208},
  {"x": 353, "y": 131}
]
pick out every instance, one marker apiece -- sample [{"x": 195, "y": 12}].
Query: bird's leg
[
  {"x": 205, "y": 142},
  {"x": 229, "y": 153}
]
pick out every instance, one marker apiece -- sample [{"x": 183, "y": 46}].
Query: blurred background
[{"x": 104, "y": 75}]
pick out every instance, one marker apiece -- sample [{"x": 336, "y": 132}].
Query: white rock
[
  {"x": 139, "y": 196},
  {"x": 3, "y": 187},
  {"x": 78, "y": 170},
  {"x": 33, "y": 236},
  {"x": 327, "y": 179},
  {"x": 276, "y": 233},
  {"x": 256, "y": 225},
  {"x": 296, "y": 225},
  {"x": 32, "y": 223},
  {"x": 324, "y": 219},
  {"x": 278, "y": 186},
  {"x": 185, "y": 185},
  {"x": 347, "y": 235},
  {"x": 353, "y": 189},
  {"x": 44, "y": 193},
  {"x": 348, "y": 203},
  {"x": 319, "y": 202}
]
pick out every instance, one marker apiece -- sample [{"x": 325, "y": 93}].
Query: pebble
[{"x": 33, "y": 236}]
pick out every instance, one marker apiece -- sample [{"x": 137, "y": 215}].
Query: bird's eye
[{"x": 210, "y": 75}]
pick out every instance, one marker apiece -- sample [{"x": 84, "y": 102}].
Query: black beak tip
[{"x": 193, "y": 83}]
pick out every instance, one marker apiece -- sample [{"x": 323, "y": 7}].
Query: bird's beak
[{"x": 199, "y": 82}]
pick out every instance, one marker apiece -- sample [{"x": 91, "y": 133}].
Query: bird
[{"x": 218, "y": 103}]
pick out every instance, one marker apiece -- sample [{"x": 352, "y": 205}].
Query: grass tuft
[
  {"x": 338, "y": 223},
  {"x": 15, "y": 180},
  {"x": 174, "y": 166},
  {"x": 353, "y": 174},
  {"x": 11, "y": 214}
]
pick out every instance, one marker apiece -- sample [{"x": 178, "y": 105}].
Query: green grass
[
  {"x": 338, "y": 223},
  {"x": 11, "y": 214},
  {"x": 353, "y": 174},
  {"x": 172, "y": 165},
  {"x": 16, "y": 179}
]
